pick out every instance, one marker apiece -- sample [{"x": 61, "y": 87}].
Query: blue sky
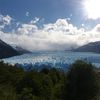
[
  {"x": 50, "y": 10},
  {"x": 49, "y": 24}
]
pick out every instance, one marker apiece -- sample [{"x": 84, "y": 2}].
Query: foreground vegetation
[{"x": 81, "y": 82}]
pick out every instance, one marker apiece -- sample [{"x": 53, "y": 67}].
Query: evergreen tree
[{"x": 81, "y": 82}]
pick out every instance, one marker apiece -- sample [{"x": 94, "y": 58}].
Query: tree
[{"x": 81, "y": 82}]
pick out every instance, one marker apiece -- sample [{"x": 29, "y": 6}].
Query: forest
[{"x": 80, "y": 82}]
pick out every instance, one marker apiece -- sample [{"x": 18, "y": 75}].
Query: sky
[{"x": 49, "y": 24}]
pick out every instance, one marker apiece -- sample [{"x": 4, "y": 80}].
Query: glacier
[{"x": 56, "y": 59}]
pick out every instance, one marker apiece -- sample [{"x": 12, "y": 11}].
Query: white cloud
[
  {"x": 60, "y": 35},
  {"x": 35, "y": 20},
  {"x": 4, "y": 21},
  {"x": 27, "y": 29},
  {"x": 27, "y": 14},
  {"x": 97, "y": 28}
]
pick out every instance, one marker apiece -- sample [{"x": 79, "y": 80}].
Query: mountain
[
  {"x": 90, "y": 47},
  {"x": 21, "y": 50},
  {"x": 6, "y": 50}
]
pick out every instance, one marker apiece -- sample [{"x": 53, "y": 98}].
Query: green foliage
[
  {"x": 79, "y": 83},
  {"x": 7, "y": 92}
]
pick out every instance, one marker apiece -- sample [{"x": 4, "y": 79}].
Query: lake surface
[{"x": 58, "y": 59}]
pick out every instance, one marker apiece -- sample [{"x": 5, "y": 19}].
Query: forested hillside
[{"x": 81, "y": 82}]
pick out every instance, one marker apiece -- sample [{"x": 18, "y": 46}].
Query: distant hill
[
  {"x": 6, "y": 50},
  {"x": 21, "y": 50},
  {"x": 91, "y": 47}
]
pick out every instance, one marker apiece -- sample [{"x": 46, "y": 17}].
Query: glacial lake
[{"x": 58, "y": 59}]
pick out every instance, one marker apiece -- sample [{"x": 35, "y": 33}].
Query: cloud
[
  {"x": 27, "y": 29},
  {"x": 35, "y": 20},
  {"x": 4, "y": 21},
  {"x": 60, "y": 35},
  {"x": 27, "y": 14},
  {"x": 97, "y": 28}
]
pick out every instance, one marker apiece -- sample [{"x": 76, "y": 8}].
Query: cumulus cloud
[
  {"x": 27, "y": 29},
  {"x": 60, "y": 35},
  {"x": 97, "y": 28},
  {"x": 4, "y": 21}
]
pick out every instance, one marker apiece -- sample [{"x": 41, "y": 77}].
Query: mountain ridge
[
  {"x": 7, "y": 51},
  {"x": 90, "y": 47},
  {"x": 21, "y": 50}
]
